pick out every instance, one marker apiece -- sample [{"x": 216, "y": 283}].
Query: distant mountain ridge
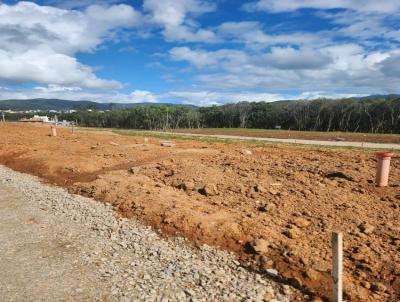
[{"x": 58, "y": 104}]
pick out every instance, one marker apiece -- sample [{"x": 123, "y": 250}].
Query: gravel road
[{"x": 62, "y": 247}]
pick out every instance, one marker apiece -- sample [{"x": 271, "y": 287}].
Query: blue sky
[{"x": 197, "y": 51}]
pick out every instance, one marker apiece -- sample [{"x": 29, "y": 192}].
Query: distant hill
[
  {"x": 377, "y": 97},
  {"x": 56, "y": 104}
]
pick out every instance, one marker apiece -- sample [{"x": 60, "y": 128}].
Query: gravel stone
[{"x": 132, "y": 261}]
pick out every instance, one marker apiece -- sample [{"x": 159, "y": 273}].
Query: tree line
[{"x": 374, "y": 115}]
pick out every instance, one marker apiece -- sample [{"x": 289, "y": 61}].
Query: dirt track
[
  {"x": 313, "y": 142},
  {"x": 40, "y": 260},
  {"x": 212, "y": 193},
  {"x": 301, "y": 135}
]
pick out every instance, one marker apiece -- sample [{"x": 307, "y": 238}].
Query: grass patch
[{"x": 170, "y": 136}]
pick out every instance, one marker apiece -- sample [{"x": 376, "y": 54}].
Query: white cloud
[
  {"x": 79, "y": 94},
  {"x": 312, "y": 95},
  {"x": 196, "y": 97},
  {"x": 108, "y": 17},
  {"x": 197, "y": 58},
  {"x": 143, "y": 96},
  {"x": 251, "y": 34},
  {"x": 26, "y": 25},
  {"x": 202, "y": 58},
  {"x": 207, "y": 98},
  {"x": 278, "y": 57},
  {"x": 77, "y": 4},
  {"x": 44, "y": 66},
  {"x": 175, "y": 18},
  {"x": 390, "y": 66},
  {"x": 293, "y": 59},
  {"x": 365, "y": 27},
  {"x": 387, "y": 6},
  {"x": 238, "y": 28},
  {"x": 342, "y": 67},
  {"x": 173, "y": 12},
  {"x": 38, "y": 43},
  {"x": 361, "y": 20},
  {"x": 57, "y": 88}
]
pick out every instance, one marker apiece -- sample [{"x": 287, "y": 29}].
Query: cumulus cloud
[
  {"x": 197, "y": 58},
  {"x": 362, "y": 20},
  {"x": 77, "y": 93},
  {"x": 251, "y": 34},
  {"x": 109, "y": 17},
  {"x": 312, "y": 95},
  {"x": 27, "y": 25},
  {"x": 143, "y": 96},
  {"x": 365, "y": 21},
  {"x": 44, "y": 66},
  {"x": 207, "y": 98},
  {"x": 356, "y": 53},
  {"x": 174, "y": 16},
  {"x": 238, "y": 28},
  {"x": 388, "y": 6},
  {"x": 197, "y": 97},
  {"x": 57, "y": 88},
  {"x": 290, "y": 58},
  {"x": 202, "y": 58},
  {"x": 174, "y": 12},
  {"x": 365, "y": 27},
  {"x": 38, "y": 43},
  {"x": 78, "y": 4},
  {"x": 278, "y": 57},
  {"x": 345, "y": 67},
  {"x": 390, "y": 66}
]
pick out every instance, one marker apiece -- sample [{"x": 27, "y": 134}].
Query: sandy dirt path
[
  {"x": 367, "y": 145},
  {"x": 38, "y": 259},
  {"x": 302, "y": 135}
]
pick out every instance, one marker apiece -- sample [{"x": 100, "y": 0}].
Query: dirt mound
[{"x": 288, "y": 199}]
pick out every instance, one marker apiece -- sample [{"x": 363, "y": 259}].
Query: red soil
[{"x": 211, "y": 193}]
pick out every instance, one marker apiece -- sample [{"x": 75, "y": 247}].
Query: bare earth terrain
[{"x": 275, "y": 207}]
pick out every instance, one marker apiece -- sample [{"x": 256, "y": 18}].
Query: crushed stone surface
[{"x": 57, "y": 246}]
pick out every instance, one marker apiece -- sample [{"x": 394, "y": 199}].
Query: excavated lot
[{"x": 275, "y": 208}]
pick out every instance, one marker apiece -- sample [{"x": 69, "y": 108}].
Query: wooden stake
[{"x": 337, "y": 266}]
